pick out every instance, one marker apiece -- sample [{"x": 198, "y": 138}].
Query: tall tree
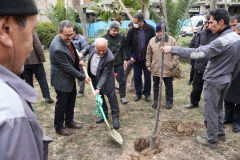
[
  {"x": 83, "y": 20},
  {"x": 107, "y": 13}
]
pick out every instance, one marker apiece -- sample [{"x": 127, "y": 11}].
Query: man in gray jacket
[
  {"x": 21, "y": 136},
  {"x": 223, "y": 66}
]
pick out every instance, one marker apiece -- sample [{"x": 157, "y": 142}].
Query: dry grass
[{"x": 137, "y": 120}]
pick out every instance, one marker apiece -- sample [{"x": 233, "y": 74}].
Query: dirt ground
[{"x": 175, "y": 137}]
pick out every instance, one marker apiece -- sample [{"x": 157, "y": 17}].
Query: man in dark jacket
[
  {"x": 232, "y": 99},
  {"x": 200, "y": 39},
  {"x": 101, "y": 70},
  {"x": 136, "y": 47},
  {"x": 223, "y": 66},
  {"x": 34, "y": 65},
  {"x": 116, "y": 42},
  {"x": 64, "y": 70}
]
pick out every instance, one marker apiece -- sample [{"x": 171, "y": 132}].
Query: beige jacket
[{"x": 154, "y": 57}]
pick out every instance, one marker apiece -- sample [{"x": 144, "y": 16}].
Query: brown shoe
[
  {"x": 204, "y": 141},
  {"x": 63, "y": 131},
  {"x": 73, "y": 125}
]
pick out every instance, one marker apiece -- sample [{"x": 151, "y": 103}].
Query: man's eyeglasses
[{"x": 68, "y": 35}]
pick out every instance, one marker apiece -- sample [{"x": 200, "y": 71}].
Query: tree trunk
[
  {"x": 153, "y": 138},
  {"x": 125, "y": 9},
  {"x": 143, "y": 1},
  {"x": 83, "y": 20},
  {"x": 213, "y": 4}
]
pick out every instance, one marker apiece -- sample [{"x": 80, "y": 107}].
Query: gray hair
[
  {"x": 238, "y": 26},
  {"x": 139, "y": 16},
  {"x": 63, "y": 24},
  {"x": 115, "y": 24},
  {"x": 101, "y": 40}
]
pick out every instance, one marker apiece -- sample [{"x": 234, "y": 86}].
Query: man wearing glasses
[{"x": 64, "y": 70}]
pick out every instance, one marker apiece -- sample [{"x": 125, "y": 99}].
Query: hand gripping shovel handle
[
  {"x": 104, "y": 117},
  {"x": 84, "y": 68}
]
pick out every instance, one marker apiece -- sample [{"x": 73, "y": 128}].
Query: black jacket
[
  {"x": 132, "y": 40},
  {"x": 204, "y": 37},
  {"x": 104, "y": 80},
  {"x": 63, "y": 69},
  {"x": 117, "y": 45}
]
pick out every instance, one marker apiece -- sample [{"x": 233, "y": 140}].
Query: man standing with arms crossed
[
  {"x": 116, "y": 43},
  {"x": 222, "y": 67}
]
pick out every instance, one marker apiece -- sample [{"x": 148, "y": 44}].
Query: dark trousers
[
  {"x": 138, "y": 67},
  {"x": 112, "y": 99},
  {"x": 232, "y": 112},
  {"x": 168, "y": 89},
  {"x": 64, "y": 108},
  {"x": 192, "y": 70},
  {"x": 120, "y": 79},
  {"x": 197, "y": 88},
  {"x": 81, "y": 83},
  {"x": 40, "y": 75}
]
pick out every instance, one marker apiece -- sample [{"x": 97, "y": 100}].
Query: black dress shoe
[
  {"x": 191, "y": 106},
  {"x": 169, "y": 106},
  {"x": 147, "y": 98},
  {"x": 73, "y": 125},
  {"x": 154, "y": 105},
  {"x": 227, "y": 122},
  {"x": 137, "y": 98},
  {"x": 63, "y": 131},
  {"x": 189, "y": 82},
  {"x": 49, "y": 100},
  {"x": 236, "y": 128},
  {"x": 100, "y": 120},
  {"x": 116, "y": 124},
  {"x": 117, "y": 88}
]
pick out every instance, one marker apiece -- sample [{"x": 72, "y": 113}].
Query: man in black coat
[
  {"x": 232, "y": 99},
  {"x": 101, "y": 70},
  {"x": 200, "y": 39},
  {"x": 136, "y": 47},
  {"x": 64, "y": 70}
]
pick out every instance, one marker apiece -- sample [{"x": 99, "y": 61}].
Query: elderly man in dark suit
[
  {"x": 101, "y": 70},
  {"x": 64, "y": 70}
]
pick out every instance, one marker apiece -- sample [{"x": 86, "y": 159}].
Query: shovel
[{"x": 112, "y": 132}]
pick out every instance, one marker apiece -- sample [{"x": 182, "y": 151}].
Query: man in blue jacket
[{"x": 136, "y": 47}]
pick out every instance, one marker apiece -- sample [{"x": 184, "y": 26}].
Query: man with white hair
[
  {"x": 101, "y": 70},
  {"x": 116, "y": 43}
]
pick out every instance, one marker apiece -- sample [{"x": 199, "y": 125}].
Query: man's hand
[
  {"x": 166, "y": 49},
  {"x": 97, "y": 91},
  {"x": 87, "y": 80},
  {"x": 125, "y": 64},
  {"x": 80, "y": 54},
  {"x": 149, "y": 69},
  {"x": 81, "y": 63},
  {"x": 132, "y": 60}
]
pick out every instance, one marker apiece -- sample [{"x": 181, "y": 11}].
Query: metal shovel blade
[{"x": 115, "y": 135}]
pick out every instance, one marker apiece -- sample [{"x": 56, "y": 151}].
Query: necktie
[{"x": 72, "y": 51}]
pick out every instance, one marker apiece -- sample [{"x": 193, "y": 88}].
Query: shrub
[{"x": 46, "y": 32}]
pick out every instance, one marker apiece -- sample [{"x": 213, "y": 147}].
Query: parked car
[{"x": 193, "y": 26}]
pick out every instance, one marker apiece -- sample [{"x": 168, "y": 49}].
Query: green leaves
[{"x": 59, "y": 13}]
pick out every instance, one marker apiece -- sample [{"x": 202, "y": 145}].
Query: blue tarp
[{"x": 94, "y": 28}]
